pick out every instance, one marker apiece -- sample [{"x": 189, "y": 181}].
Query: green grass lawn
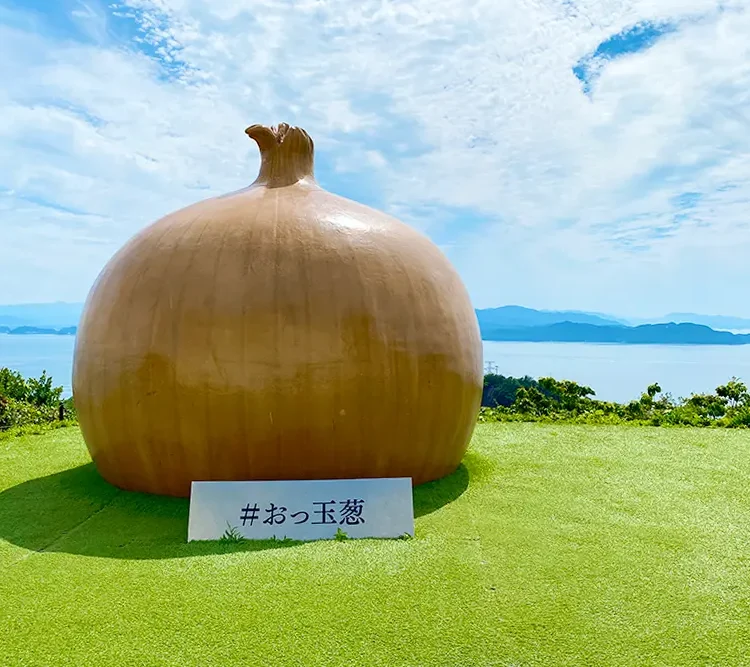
[{"x": 551, "y": 545}]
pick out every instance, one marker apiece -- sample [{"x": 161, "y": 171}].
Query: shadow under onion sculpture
[{"x": 276, "y": 332}]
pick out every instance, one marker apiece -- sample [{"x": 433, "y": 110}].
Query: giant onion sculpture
[{"x": 276, "y": 332}]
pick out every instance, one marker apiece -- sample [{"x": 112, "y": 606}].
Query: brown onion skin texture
[{"x": 278, "y": 332}]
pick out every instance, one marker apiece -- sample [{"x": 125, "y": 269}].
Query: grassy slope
[{"x": 570, "y": 546}]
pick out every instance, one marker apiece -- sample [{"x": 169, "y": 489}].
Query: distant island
[
  {"x": 518, "y": 324},
  {"x": 506, "y": 323},
  {"x": 65, "y": 331},
  {"x": 713, "y": 321},
  {"x": 645, "y": 334}
]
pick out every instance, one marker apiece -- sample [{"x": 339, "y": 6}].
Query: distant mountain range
[
  {"x": 507, "y": 323},
  {"x": 517, "y": 316}
]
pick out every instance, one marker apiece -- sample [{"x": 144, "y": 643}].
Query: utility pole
[{"x": 490, "y": 367}]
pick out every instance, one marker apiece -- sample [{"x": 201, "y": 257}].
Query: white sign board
[{"x": 302, "y": 510}]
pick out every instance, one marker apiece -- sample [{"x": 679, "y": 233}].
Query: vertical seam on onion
[
  {"x": 249, "y": 252},
  {"x": 208, "y": 453},
  {"x": 278, "y": 323},
  {"x": 125, "y": 428},
  {"x": 337, "y": 375},
  {"x": 154, "y": 313},
  {"x": 180, "y": 310},
  {"x": 408, "y": 341},
  {"x": 247, "y": 262},
  {"x": 365, "y": 389}
]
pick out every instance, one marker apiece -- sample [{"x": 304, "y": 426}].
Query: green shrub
[
  {"x": 41, "y": 392},
  {"x": 684, "y": 415},
  {"x": 13, "y": 385},
  {"x": 19, "y": 413},
  {"x": 737, "y": 418},
  {"x": 562, "y": 401},
  {"x": 501, "y": 391},
  {"x": 30, "y": 402}
]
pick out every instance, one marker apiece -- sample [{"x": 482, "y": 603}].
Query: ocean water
[
  {"x": 615, "y": 372},
  {"x": 622, "y": 372},
  {"x": 32, "y": 354}
]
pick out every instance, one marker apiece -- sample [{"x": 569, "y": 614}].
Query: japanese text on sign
[
  {"x": 350, "y": 513},
  {"x": 309, "y": 509}
]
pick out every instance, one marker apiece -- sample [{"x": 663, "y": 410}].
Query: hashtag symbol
[{"x": 249, "y": 514}]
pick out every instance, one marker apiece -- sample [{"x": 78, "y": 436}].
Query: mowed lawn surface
[{"x": 552, "y": 545}]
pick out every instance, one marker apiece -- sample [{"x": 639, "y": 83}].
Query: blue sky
[{"x": 586, "y": 154}]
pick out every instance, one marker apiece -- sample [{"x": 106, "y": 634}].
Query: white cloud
[{"x": 465, "y": 116}]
